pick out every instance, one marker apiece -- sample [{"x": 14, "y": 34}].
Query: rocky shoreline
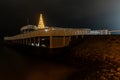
[{"x": 98, "y": 57}]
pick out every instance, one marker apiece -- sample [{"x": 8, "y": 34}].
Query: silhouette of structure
[{"x": 50, "y": 37}]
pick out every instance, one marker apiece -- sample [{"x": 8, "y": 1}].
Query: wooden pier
[{"x": 49, "y": 37}]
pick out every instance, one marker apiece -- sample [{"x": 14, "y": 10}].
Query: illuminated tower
[{"x": 41, "y": 23}]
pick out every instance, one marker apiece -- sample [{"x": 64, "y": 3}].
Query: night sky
[{"x": 94, "y": 14}]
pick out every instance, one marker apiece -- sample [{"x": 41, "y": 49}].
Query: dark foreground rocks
[{"x": 98, "y": 57}]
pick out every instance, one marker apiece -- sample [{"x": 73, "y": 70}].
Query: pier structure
[
  {"x": 50, "y": 37},
  {"x": 114, "y": 31}
]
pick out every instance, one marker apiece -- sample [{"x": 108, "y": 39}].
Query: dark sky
[{"x": 95, "y": 14}]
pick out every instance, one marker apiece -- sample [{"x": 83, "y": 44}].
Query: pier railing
[{"x": 50, "y": 32}]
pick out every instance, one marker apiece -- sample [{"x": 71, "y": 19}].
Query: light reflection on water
[{"x": 16, "y": 66}]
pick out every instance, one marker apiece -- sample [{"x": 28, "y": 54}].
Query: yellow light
[{"x": 41, "y": 23}]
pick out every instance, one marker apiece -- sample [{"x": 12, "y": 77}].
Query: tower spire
[{"x": 41, "y": 23}]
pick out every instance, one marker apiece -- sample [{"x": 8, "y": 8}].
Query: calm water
[
  {"x": 20, "y": 65},
  {"x": 26, "y": 63}
]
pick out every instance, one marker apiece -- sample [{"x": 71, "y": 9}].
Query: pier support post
[
  {"x": 82, "y": 36},
  {"x": 64, "y": 40},
  {"x": 51, "y": 42},
  {"x": 69, "y": 38},
  {"x": 26, "y": 41},
  {"x": 76, "y": 36},
  {"x": 30, "y": 41},
  {"x": 39, "y": 41},
  {"x": 34, "y": 40},
  {"x": 23, "y": 41}
]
